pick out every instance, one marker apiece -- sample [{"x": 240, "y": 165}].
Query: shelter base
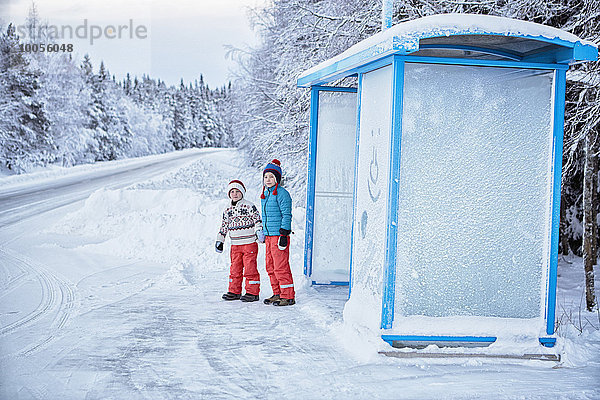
[
  {"x": 415, "y": 354},
  {"x": 330, "y": 283},
  {"x": 421, "y": 342}
]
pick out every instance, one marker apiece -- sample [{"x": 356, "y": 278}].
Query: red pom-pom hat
[{"x": 275, "y": 168}]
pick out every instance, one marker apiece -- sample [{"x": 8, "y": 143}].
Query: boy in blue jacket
[{"x": 276, "y": 205}]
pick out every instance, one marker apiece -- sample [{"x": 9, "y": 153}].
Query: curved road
[{"x": 22, "y": 202}]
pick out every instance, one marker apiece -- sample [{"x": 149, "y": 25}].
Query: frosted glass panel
[
  {"x": 474, "y": 191},
  {"x": 372, "y": 186},
  {"x": 336, "y": 137}
]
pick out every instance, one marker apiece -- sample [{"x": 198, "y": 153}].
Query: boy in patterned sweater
[{"x": 242, "y": 220}]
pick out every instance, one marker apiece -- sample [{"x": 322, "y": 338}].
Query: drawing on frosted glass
[
  {"x": 368, "y": 254},
  {"x": 363, "y": 224},
  {"x": 374, "y": 190}
]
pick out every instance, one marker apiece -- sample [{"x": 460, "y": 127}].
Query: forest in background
[
  {"x": 54, "y": 110},
  {"x": 57, "y": 111}
]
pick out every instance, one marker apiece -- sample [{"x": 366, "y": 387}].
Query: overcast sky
[{"x": 183, "y": 39}]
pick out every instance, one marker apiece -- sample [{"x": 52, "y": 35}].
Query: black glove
[
  {"x": 219, "y": 247},
  {"x": 283, "y": 242},
  {"x": 284, "y": 232}
]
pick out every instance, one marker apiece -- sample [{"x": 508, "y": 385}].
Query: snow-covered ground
[{"x": 119, "y": 297}]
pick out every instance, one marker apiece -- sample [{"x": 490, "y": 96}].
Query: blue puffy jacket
[{"x": 276, "y": 211}]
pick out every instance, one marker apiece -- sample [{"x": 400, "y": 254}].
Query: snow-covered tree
[
  {"x": 24, "y": 129},
  {"x": 580, "y": 175},
  {"x": 272, "y": 115},
  {"x": 112, "y": 134},
  {"x": 65, "y": 95}
]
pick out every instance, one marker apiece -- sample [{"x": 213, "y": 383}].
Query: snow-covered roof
[{"x": 502, "y": 37}]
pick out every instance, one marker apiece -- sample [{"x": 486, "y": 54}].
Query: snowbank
[{"x": 168, "y": 226}]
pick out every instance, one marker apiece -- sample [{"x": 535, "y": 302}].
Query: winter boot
[
  {"x": 284, "y": 302},
  {"x": 249, "y": 297},
  {"x": 272, "y": 299},
  {"x": 231, "y": 296}
]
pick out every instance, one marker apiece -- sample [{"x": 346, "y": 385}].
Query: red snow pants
[
  {"x": 243, "y": 265},
  {"x": 278, "y": 268}
]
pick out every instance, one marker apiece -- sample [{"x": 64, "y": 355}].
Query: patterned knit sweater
[{"x": 242, "y": 221}]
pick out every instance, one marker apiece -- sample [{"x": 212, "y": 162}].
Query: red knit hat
[{"x": 235, "y": 184}]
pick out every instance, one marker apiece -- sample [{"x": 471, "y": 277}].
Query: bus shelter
[{"x": 434, "y": 185}]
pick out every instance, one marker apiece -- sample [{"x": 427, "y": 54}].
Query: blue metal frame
[
  {"x": 331, "y": 283},
  {"x": 310, "y": 186},
  {"x": 371, "y": 66},
  {"x": 331, "y": 73},
  {"x": 356, "y": 148},
  {"x": 389, "y": 288},
  {"x": 416, "y": 338},
  {"x": 483, "y": 63},
  {"x": 312, "y": 171},
  {"x": 560, "y": 87},
  {"x": 333, "y": 89},
  {"x": 548, "y": 341},
  {"x": 564, "y": 55}
]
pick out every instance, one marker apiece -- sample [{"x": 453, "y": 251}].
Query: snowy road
[
  {"x": 21, "y": 202},
  {"x": 118, "y": 297}
]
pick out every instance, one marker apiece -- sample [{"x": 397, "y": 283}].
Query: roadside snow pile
[
  {"x": 197, "y": 176},
  {"x": 171, "y": 219},
  {"x": 169, "y": 226}
]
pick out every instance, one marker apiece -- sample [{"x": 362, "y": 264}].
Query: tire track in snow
[
  {"x": 9, "y": 280},
  {"x": 45, "y": 302},
  {"x": 57, "y": 297},
  {"x": 64, "y": 313}
]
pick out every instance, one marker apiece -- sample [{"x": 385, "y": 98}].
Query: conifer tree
[{"x": 24, "y": 128}]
